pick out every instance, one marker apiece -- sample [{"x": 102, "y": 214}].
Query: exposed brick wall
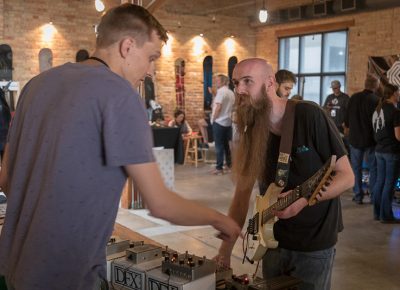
[
  {"x": 1, "y": 19},
  {"x": 74, "y": 20},
  {"x": 23, "y": 21},
  {"x": 373, "y": 34},
  {"x": 215, "y": 35}
]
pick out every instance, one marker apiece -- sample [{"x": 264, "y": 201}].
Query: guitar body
[
  {"x": 261, "y": 225},
  {"x": 264, "y": 239}
]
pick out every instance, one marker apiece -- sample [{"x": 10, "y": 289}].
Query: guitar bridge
[{"x": 252, "y": 227}]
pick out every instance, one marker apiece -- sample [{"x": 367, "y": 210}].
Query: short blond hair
[{"x": 128, "y": 20}]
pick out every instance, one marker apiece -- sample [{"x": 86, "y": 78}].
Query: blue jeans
[
  {"x": 313, "y": 268},
  {"x": 222, "y": 136},
  {"x": 357, "y": 156},
  {"x": 388, "y": 168}
]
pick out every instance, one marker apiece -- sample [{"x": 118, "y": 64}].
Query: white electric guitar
[{"x": 260, "y": 227}]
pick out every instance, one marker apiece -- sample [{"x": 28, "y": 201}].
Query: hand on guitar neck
[{"x": 291, "y": 210}]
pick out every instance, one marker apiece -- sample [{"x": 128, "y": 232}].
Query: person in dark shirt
[
  {"x": 336, "y": 105},
  {"x": 361, "y": 136},
  {"x": 180, "y": 122},
  {"x": 386, "y": 123},
  {"x": 306, "y": 234},
  {"x": 5, "y": 118}
]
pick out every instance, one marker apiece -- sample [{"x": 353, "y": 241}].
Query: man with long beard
[{"x": 306, "y": 234}]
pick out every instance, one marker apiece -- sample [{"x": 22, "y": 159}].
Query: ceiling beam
[
  {"x": 154, "y": 5},
  {"x": 227, "y": 7},
  {"x": 312, "y": 28}
]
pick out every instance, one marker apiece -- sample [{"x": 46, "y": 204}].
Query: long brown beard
[{"x": 250, "y": 153}]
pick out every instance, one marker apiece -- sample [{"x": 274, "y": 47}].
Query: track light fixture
[
  {"x": 99, "y": 5},
  {"x": 263, "y": 14}
]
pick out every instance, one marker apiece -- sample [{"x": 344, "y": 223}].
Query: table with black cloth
[{"x": 169, "y": 137}]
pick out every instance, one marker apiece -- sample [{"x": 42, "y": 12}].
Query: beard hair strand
[{"x": 251, "y": 150}]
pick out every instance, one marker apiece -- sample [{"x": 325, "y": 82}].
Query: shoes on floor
[
  {"x": 228, "y": 170},
  {"x": 357, "y": 201},
  {"x": 217, "y": 172},
  {"x": 204, "y": 146}
]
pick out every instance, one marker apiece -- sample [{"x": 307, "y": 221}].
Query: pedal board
[{"x": 244, "y": 282}]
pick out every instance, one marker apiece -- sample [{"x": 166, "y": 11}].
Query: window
[
  {"x": 180, "y": 83},
  {"x": 6, "y": 59},
  {"x": 45, "y": 59},
  {"x": 316, "y": 59},
  {"x": 207, "y": 77},
  {"x": 231, "y": 65}
]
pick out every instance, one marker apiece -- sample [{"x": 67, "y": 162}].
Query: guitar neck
[
  {"x": 308, "y": 189},
  {"x": 281, "y": 204}
]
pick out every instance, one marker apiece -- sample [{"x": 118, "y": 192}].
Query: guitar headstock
[{"x": 310, "y": 188}]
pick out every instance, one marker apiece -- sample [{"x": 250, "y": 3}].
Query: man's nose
[{"x": 150, "y": 71}]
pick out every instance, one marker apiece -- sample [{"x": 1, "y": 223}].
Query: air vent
[
  {"x": 294, "y": 13},
  {"x": 319, "y": 9},
  {"x": 348, "y": 5}
]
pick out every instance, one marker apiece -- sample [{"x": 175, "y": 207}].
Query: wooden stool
[{"x": 192, "y": 147}]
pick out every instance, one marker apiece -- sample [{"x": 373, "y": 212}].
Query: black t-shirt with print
[
  {"x": 358, "y": 119},
  {"x": 336, "y": 107},
  {"x": 315, "y": 140},
  {"x": 384, "y": 123}
]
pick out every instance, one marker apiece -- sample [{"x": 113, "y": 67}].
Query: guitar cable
[{"x": 244, "y": 248}]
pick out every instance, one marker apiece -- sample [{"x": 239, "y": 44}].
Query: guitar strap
[{"x": 285, "y": 147}]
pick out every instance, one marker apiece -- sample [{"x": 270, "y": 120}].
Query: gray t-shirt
[{"x": 74, "y": 129}]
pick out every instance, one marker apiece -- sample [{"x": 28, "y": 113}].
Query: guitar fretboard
[{"x": 281, "y": 204}]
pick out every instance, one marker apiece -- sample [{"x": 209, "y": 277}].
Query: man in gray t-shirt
[{"x": 79, "y": 131}]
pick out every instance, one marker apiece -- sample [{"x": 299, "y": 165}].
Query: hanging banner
[{"x": 387, "y": 68}]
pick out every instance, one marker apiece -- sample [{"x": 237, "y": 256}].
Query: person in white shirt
[{"x": 222, "y": 122}]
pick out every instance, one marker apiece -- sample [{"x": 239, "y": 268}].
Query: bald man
[{"x": 306, "y": 234}]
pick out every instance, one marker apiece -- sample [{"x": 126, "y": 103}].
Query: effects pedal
[
  {"x": 158, "y": 280},
  {"x": 130, "y": 272},
  {"x": 115, "y": 249},
  {"x": 188, "y": 266},
  {"x": 143, "y": 253}
]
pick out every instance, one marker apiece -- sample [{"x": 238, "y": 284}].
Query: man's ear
[
  {"x": 270, "y": 83},
  {"x": 126, "y": 45}
]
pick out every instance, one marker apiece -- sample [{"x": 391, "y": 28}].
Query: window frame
[{"x": 321, "y": 74}]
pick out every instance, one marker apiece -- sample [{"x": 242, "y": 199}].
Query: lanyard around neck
[{"x": 99, "y": 60}]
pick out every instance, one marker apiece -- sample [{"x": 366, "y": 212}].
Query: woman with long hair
[
  {"x": 180, "y": 122},
  {"x": 386, "y": 124}
]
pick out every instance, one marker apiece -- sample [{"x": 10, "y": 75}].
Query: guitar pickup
[{"x": 252, "y": 227}]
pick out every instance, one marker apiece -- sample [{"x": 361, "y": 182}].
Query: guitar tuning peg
[
  {"x": 333, "y": 173},
  {"x": 323, "y": 188},
  {"x": 327, "y": 183}
]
